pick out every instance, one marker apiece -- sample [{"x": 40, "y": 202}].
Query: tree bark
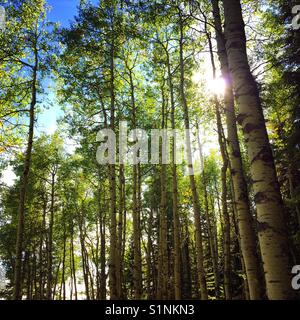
[
  {"x": 17, "y": 295},
  {"x": 112, "y": 185},
  {"x": 162, "y": 289},
  {"x": 41, "y": 252},
  {"x": 72, "y": 262},
  {"x": 50, "y": 237},
  {"x": 196, "y": 204},
  {"x": 244, "y": 218},
  {"x": 270, "y": 212},
  {"x": 122, "y": 196},
  {"x": 137, "y": 259},
  {"x": 212, "y": 244},
  {"x": 102, "y": 257},
  {"x": 63, "y": 281},
  {"x": 176, "y": 222},
  {"x": 149, "y": 259},
  {"x": 225, "y": 214}
]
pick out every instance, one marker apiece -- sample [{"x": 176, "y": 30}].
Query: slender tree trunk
[
  {"x": 63, "y": 281},
  {"x": 35, "y": 284},
  {"x": 124, "y": 242},
  {"x": 112, "y": 187},
  {"x": 55, "y": 281},
  {"x": 17, "y": 295},
  {"x": 244, "y": 218},
  {"x": 222, "y": 144},
  {"x": 102, "y": 257},
  {"x": 72, "y": 255},
  {"x": 227, "y": 240},
  {"x": 102, "y": 274},
  {"x": 150, "y": 273},
  {"x": 97, "y": 257},
  {"x": 121, "y": 226},
  {"x": 196, "y": 204},
  {"x": 27, "y": 274},
  {"x": 50, "y": 241},
  {"x": 270, "y": 212},
  {"x": 214, "y": 227},
  {"x": 162, "y": 289},
  {"x": 84, "y": 257},
  {"x": 91, "y": 277},
  {"x": 212, "y": 244},
  {"x": 186, "y": 266},
  {"x": 234, "y": 219},
  {"x": 176, "y": 222},
  {"x": 137, "y": 260},
  {"x": 41, "y": 253},
  {"x": 246, "y": 286}
]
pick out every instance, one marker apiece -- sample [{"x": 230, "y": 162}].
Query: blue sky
[{"x": 62, "y": 11}]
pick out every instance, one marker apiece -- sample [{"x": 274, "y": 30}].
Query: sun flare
[
  {"x": 216, "y": 86},
  {"x": 212, "y": 85}
]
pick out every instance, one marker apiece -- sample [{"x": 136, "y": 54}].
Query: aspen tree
[
  {"x": 270, "y": 212},
  {"x": 244, "y": 218},
  {"x": 195, "y": 196}
]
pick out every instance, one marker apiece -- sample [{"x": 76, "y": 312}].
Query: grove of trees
[{"x": 225, "y": 226}]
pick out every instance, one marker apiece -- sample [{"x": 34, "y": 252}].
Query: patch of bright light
[
  {"x": 8, "y": 176},
  {"x": 216, "y": 86},
  {"x": 197, "y": 77},
  {"x": 212, "y": 85}
]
